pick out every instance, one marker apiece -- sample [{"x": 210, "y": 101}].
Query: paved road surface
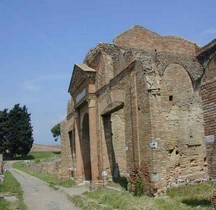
[{"x": 38, "y": 195}]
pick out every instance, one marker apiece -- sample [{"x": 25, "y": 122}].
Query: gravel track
[{"x": 38, "y": 195}]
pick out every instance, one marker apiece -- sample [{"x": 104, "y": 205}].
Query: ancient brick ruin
[{"x": 137, "y": 102}]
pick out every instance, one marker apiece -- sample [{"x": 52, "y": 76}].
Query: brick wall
[
  {"x": 183, "y": 131},
  {"x": 66, "y": 155},
  {"x": 208, "y": 94},
  {"x": 209, "y": 106},
  {"x": 141, "y": 38},
  {"x": 157, "y": 108},
  {"x": 165, "y": 109},
  {"x": 68, "y": 158},
  {"x": 146, "y": 94}
]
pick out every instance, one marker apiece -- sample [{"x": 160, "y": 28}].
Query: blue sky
[{"x": 41, "y": 40}]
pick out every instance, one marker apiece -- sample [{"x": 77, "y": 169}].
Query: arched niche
[
  {"x": 182, "y": 124},
  {"x": 176, "y": 83},
  {"x": 176, "y": 92}
]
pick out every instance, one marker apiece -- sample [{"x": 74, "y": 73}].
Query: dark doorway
[
  {"x": 107, "y": 123},
  {"x": 71, "y": 135},
  {"x": 85, "y": 144}
]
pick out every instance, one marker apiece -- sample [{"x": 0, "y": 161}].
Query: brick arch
[
  {"x": 176, "y": 80},
  {"x": 190, "y": 64},
  {"x": 176, "y": 62}
]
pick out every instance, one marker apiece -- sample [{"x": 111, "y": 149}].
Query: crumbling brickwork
[{"x": 137, "y": 102}]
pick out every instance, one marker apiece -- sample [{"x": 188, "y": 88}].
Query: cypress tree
[{"x": 20, "y": 131}]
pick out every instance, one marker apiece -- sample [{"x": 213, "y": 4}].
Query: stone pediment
[{"x": 81, "y": 73}]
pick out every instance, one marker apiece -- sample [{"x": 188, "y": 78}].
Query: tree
[
  {"x": 4, "y": 134},
  {"x": 56, "y": 131},
  {"x": 20, "y": 137}
]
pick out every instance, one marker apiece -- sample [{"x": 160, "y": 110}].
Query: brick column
[
  {"x": 93, "y": 134},
  {"x": 79, "y": 159},
  {"x": 93, "y": 140}
]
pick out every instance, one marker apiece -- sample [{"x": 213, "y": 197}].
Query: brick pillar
[
  {"x": 93, "y": 140},
  {"x": 79, "y": 159}
]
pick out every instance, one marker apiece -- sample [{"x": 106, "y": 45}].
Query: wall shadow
[
  {"x": 197, "y": 202},
  {"x": 122, "y": 181},
  {"x": 107, "y": 124}
]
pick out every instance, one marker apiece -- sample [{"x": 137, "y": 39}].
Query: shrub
[{"x": 136, "y": 182}]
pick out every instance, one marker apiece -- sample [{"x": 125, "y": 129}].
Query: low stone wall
[
  {"x": 53, "y": 168},
  {"x": 50, "y": 167}
]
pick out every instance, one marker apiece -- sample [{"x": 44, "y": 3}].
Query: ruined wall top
[
  {"x": 139, "y": 37},
  {"x": 207, "y": 52},
  {"x": 208, "y": 46},
  {"x": 153, "y": 51}
]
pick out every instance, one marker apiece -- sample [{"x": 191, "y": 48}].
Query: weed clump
[{"x": 137, "y": 181}]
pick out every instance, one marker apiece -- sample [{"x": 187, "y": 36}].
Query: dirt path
[{"x": 38, "y": 195}]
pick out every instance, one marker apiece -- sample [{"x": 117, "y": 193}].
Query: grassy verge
[
  {"x": 50, "y": 179},
  {"x": 11, "y": 187},
  {"x": 184, "y": 198},
  {"x": 44, "y": 155},
  {"x": 193, "y": 195},
  {"x": 37, "y": 156},
  {"x": 108, "y": 200}
]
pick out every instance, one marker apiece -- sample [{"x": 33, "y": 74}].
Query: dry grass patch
[
  {"x": 189, "y": 197},
  {"x": 109, "y": 200}
]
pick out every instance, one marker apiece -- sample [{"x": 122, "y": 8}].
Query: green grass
[
  {"x": 109, "y": 200},
  {"x": 193, "y": 195},
  {"x": 37, "y": 156},
  {"x": 50, "y": 179},
  {"x": 189, "y": 197},
  {"x": 4, "y": 204},
  {"x": 40, "y": 155},
  {"x": 11, "y": 187}
]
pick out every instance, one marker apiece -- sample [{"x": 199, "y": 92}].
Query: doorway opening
[{"x": 85, "y": 145}]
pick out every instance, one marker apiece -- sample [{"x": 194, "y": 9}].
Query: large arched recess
[
  {"x": 85, "y": 144},
  {"x": 182, "y": 125},
  {"x": 176, "y": 109}
]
